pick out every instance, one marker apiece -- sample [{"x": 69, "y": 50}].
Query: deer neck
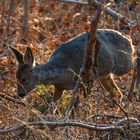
[{"x": 48, "y": 73}]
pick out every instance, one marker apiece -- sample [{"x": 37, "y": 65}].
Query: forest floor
[{"x": 50, "y": 24}]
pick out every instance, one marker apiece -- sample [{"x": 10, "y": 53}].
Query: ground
[{"x": 51, "y": 23}]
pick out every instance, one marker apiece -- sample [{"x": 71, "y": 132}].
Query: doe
[{"x": 116, "y": 56}]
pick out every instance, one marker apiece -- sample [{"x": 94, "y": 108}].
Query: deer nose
[{"x": 20, "y": 90}]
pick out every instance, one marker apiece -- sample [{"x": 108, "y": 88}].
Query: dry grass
[{"x": 50, "y": 24}]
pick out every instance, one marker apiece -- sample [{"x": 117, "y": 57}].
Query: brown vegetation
[{"x": 46, "y": 25}]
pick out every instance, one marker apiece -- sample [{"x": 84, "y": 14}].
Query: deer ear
[
  {"x": 28, "y": 57},
  {"x": 17, "y": 54}
]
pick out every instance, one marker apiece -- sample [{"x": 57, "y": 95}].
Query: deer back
[{"x": 115, "y": 55}]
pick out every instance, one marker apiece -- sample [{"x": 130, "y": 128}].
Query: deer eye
[{"x": 23, "y": 80}]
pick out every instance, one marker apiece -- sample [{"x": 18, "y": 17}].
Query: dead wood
[
  {"x": 113, "y": 116},
  {"x": 25, "y": 18},
  {"x": 91, "y": 126}
]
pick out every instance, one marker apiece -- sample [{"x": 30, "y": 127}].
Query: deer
[{"x": 117, "y": 56}]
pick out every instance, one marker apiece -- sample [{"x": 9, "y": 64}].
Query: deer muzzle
[{"x": 20, "y": 90}]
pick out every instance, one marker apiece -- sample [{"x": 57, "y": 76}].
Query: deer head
[{"x": 24, "y": 73}]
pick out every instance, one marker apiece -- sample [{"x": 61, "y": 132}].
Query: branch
[
  {"x": 103, "y": 115},
  {"x": 2, "y": 95},
  {"x": 132, "y": 87},
  {"x": 4, "y": 53},
  {"x": 12, "y": 8},
  {"x": 119, "y": 122},
  {"x": 85, "y": 71},
  {"x": 108, "y": 10},
  {"x": 96, "y": 127},
  {"x": 9, "y": 17},
  {"x": 25, "y": 18}
]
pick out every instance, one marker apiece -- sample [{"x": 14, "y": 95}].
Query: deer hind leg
[{"x": 111, "y": 87}]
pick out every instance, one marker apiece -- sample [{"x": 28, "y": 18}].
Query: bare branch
[
  {"x": 108, "y": 10},
  {"x": 86, "y": 72},
  {"x": 9, "y": 17},
  {"x": 131, "y": 90},
  {"x": 119, "y": 122},
  {"x": 12, "y": 7},
  {"x": 104, "y": 115},
  {"x": 4, "y": 53},
  {"x": 62, "y": 123},
  {"x": 25, "y": 18},
  {"x": 2, "y": 95}
]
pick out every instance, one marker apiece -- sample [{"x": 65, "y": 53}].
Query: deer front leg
[
  {"x": 57, "y": 94},
  {"x": 111, "y": 87}
]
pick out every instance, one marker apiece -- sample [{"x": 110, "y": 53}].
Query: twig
[
  {"x": 25, "y": 18},
  {"x": 99, "y": 127},
  {"x": 2, "y": 95},
  {"x": 6, "y": 44},
  {"x": 119, "y": 122},
  {"x": 131, "y": 90},
  {"x": 72, "y": 102},
  {"x": 122, "y": 109},
  {"x": 108, "y": 10},
  {"x": 9, "y": 17},
  {"x": 104, "y": 115},
  {"x": 24, "y": 104},
  {"x": 77, "y": 76},
  {"x": 12, "y": 7},
  {"x": 2, "y": 14},
  {"x": 31, "y": 128},
  {"x": 4, "y": 53}
]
